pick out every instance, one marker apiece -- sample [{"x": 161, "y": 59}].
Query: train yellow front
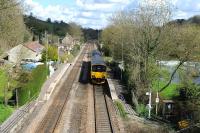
[{"x": 98, "y": 68}]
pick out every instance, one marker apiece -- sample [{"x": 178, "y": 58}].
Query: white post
[
  {"x": 157, "y": 101},
  {"x": 149, "y": 104}
]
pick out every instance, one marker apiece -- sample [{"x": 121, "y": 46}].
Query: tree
[
  {"x": 146, "y": 36},
  {"x": 11, "y": 24},
  {"x": 186, "y": 82},
  {"x": 138, "y": 33},
  {"x": 75, "y": 31},
  {"x": 5, "y": 4},
  {"x": 48, "y": 20},
  {"x": 51, "y": 54},
  {"x": 182, "y": 44}
]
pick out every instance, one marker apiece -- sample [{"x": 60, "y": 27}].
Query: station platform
[{"x": 113, "y": 91}]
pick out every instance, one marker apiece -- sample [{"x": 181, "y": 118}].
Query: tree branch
[
  {"x": 10, "y": 6},
  {"x": 172, "y": 76}
]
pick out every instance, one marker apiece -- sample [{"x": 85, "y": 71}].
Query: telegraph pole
[
  {"x": 58, "y": 49},
  {"x": 17, "y": 98},
  {"x": 46, "y": 37},
  {"x": 122, "y": 43}
]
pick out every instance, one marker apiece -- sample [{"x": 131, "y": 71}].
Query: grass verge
[
  {"x": 121, "y": 109},
  {"x": 3, "y": 85},
  {"x": 5, "y": 112}
]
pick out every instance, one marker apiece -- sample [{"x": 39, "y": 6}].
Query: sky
[{"x": 96, "y": 13}]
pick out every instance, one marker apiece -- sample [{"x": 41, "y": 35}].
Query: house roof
[
  {"x": 5, "y": 54},
  {"x": 68, "y": 40},
  {"x": 34, "y": 46}
]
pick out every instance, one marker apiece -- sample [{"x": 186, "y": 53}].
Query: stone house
[{"x": 28, "y": 51}]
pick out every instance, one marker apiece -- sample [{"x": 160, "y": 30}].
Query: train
[{"x": 98, "y": 68}]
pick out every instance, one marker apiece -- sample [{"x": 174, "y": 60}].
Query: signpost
[
  {"x": 149, "y": 105},
  {"x": 157, "y": 101}
]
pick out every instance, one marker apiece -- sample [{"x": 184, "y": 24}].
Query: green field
[{"x": 170, "y": 92}]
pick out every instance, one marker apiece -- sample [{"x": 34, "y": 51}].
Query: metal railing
[{"x": 14, "y": 122}]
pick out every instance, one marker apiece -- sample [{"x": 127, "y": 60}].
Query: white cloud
[
  {"x": 88, "y": 13},
  {"x": 94, "y": 6},
  {"x": 180, "y": 15},
  {"x": 55, "y": 12},
  {"x": 95, "y": 13}
]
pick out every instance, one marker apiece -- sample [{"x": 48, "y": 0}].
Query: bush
[
  {"x": 121, "y": 109},
  {"x": 75, "y": 49},
  {"x": 52, "y": 53},
  {"x": 142, "y": 110},
  {"x": 4, "y": 78},
  {"x": 33, "y": 87},
  {"x": 5, "y": 112}
]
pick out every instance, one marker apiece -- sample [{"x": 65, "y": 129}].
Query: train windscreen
[{"x": 98, "y": 68}]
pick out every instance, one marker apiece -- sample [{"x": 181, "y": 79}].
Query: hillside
[
  {"x": 38, "y": 26},
  {"x": 57, "y": 28},
  {"x": 192, "y": 20}
]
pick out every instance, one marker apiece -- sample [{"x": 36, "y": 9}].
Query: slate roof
[{"x": 34, "y": 46}]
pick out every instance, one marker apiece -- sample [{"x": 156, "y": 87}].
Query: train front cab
[{"x": 98, "y": 74}]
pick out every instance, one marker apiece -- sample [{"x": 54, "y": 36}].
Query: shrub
[
  {"x": 142, "y": 110},
  {"x": 52, "y": 53},
  {"x": 33, "y": 87},
  {"x": 121, "y": 109},
  {"x": 75, "y": 49},
  {"x": 5, "y": 112}
]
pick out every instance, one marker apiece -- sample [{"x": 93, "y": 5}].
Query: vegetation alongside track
[
  {"x": 33, "y": 87},
  {"x": 5, "y": 112},
  {"x": 121, "y": 109}
]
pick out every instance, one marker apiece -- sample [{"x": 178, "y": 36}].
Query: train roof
[
  {"x": 96, "y": 52},
  {"x": 96, "y": 58}
]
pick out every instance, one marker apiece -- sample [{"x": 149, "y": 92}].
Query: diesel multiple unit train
[{"x": 98, "y": 68}]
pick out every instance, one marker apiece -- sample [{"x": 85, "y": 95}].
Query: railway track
[
  {"x": 102, "y": 117},
  {"x": 54, "y": 113},
  {"x": 52, "y": 121}
]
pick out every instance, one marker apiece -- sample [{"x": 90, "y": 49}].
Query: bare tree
[
  {"x": 75, "y": 31},
  {"x": 11, "y": 24},
  {"x": 140, "y": 31}
]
